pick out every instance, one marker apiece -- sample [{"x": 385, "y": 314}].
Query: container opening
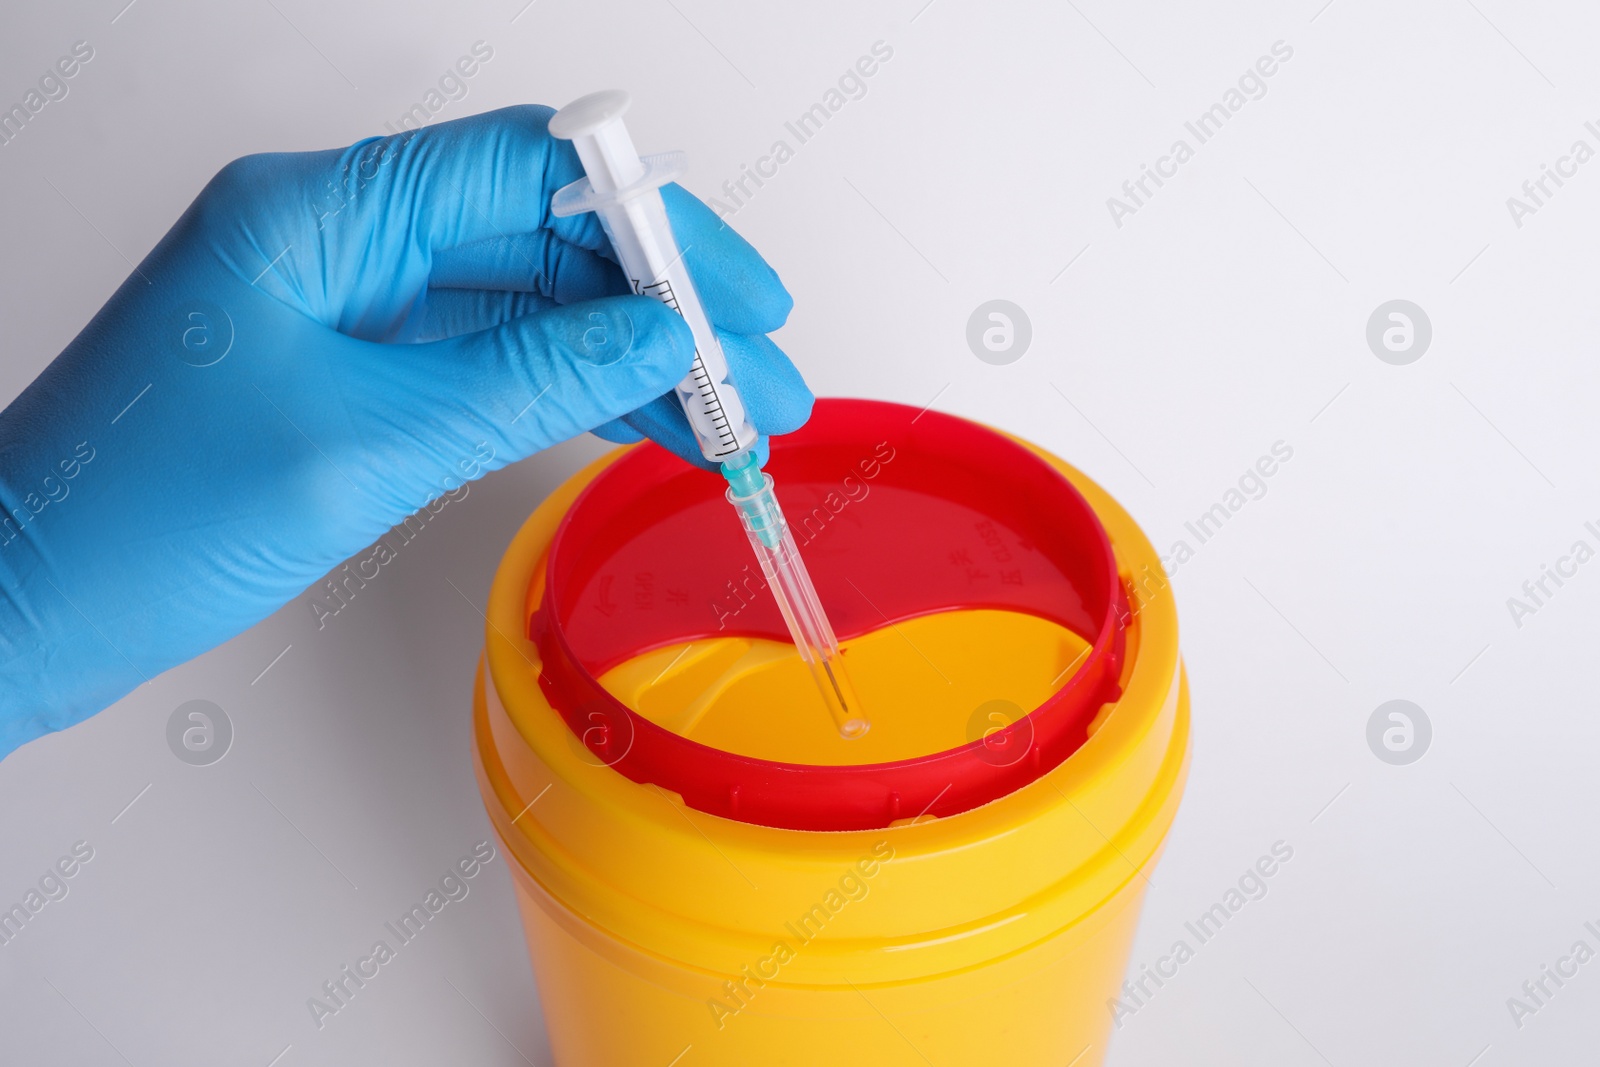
[{"x": 972, "y": 586}]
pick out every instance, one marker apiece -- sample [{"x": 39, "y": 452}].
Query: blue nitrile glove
[{"x": 324, "y": 343}]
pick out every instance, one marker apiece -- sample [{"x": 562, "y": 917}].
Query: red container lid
[{"x": 895, "y": 512}]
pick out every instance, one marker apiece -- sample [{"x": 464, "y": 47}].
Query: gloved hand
[{"x": 322, "y": 344}]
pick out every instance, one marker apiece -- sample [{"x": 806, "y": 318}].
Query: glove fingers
[
  {"x": 487, "y": 176},
  {"x": 775, "y": 396},
  {"x": 740, "y": 291},
  {"x": 483, "y": 176},
  {"x": 532, "y": 262},
  {"x": 453, "y": 312}
]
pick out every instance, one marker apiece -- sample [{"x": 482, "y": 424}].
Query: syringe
[{"x": 624, "y": 191}]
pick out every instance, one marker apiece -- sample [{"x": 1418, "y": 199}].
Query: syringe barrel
[
  {"x": 626, "y": 196},
  {"x": 641, "y": 234}
]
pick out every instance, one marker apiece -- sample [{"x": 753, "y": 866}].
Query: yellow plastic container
[{"x": 663, "y": 935}]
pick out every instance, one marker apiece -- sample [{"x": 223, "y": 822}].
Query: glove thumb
[{"x": 539, "y": 379}]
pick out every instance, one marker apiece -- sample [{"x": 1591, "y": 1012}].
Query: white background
[{"x": 1227, "y": 314}]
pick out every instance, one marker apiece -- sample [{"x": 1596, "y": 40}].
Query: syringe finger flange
[{"x": 578, "y": 197}]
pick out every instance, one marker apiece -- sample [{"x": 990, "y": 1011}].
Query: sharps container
[{"x": 709, "y": 874}]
